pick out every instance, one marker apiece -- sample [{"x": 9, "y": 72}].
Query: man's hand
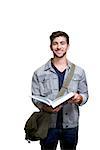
[
  {"x": 77, "y": 99},
  {"x": 50, "y": 109}
]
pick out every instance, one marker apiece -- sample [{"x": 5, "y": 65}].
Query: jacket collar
[{"x": 49, "y": 66}]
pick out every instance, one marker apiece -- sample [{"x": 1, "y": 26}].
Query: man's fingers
[{"x": 57, "y": 108}]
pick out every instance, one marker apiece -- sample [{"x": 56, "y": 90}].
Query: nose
[{"x": 58, "y": 46}]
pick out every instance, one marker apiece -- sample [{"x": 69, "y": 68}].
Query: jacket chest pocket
[
  {"x": 74, "y": 84},
  {"x": 45, "y": 85}
]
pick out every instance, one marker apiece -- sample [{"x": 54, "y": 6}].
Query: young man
[{"x": 47, "y": 81}]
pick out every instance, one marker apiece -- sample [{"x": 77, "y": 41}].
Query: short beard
[{"x": 59, "y": 56}]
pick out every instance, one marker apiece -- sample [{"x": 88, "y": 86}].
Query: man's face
[{"x": 59, "y": 46}]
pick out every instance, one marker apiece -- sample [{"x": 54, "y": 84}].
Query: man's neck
[{"x": 60, "y": 63}]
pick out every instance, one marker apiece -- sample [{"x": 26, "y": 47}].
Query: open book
[{"x": 54, "y": 103}]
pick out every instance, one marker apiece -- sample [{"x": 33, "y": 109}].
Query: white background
[{"x": 25, "y": 26}]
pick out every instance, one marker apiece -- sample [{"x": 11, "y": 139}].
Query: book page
[
  {"x": 62, "y": 99},
  {"x": 55, "y": 102},
  {"x": 42, "y": 99}
]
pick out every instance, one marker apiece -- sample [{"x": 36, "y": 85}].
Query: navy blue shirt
[{"x": 60, "y": 113}]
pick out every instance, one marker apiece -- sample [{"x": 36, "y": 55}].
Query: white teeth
[{"x": 59, "y": 52}]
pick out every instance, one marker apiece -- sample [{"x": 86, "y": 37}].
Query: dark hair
[{"x": 57, "y": 34}]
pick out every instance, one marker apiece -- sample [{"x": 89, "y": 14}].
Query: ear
[
  {"x": 50, "y": 46},
  {"x": 68, "y": 47}
]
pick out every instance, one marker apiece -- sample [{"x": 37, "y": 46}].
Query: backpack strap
[{"x": 67, "y": 81}]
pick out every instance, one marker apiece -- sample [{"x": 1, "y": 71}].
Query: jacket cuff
[
  {"x": 84, "y": 99},
  {"x": 37, "y": 103}
]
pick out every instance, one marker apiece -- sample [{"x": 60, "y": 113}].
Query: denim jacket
[{"x": 45, "y": 83}]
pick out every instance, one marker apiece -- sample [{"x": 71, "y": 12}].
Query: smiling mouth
[
  {"x": 59, "y": 54},
  {"x": 58, "y": 51}
]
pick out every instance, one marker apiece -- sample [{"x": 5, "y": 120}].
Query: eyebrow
[{"x": 60, "y": 42}]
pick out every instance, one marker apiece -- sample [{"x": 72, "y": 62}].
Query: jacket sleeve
[
  {"x": 35, "y": 89},
  {"x": 83, "y": 88}
]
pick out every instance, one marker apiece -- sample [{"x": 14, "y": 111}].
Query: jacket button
[
  {"x": 66, "y": 113},
  {"x": 66, "y": 126}
]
